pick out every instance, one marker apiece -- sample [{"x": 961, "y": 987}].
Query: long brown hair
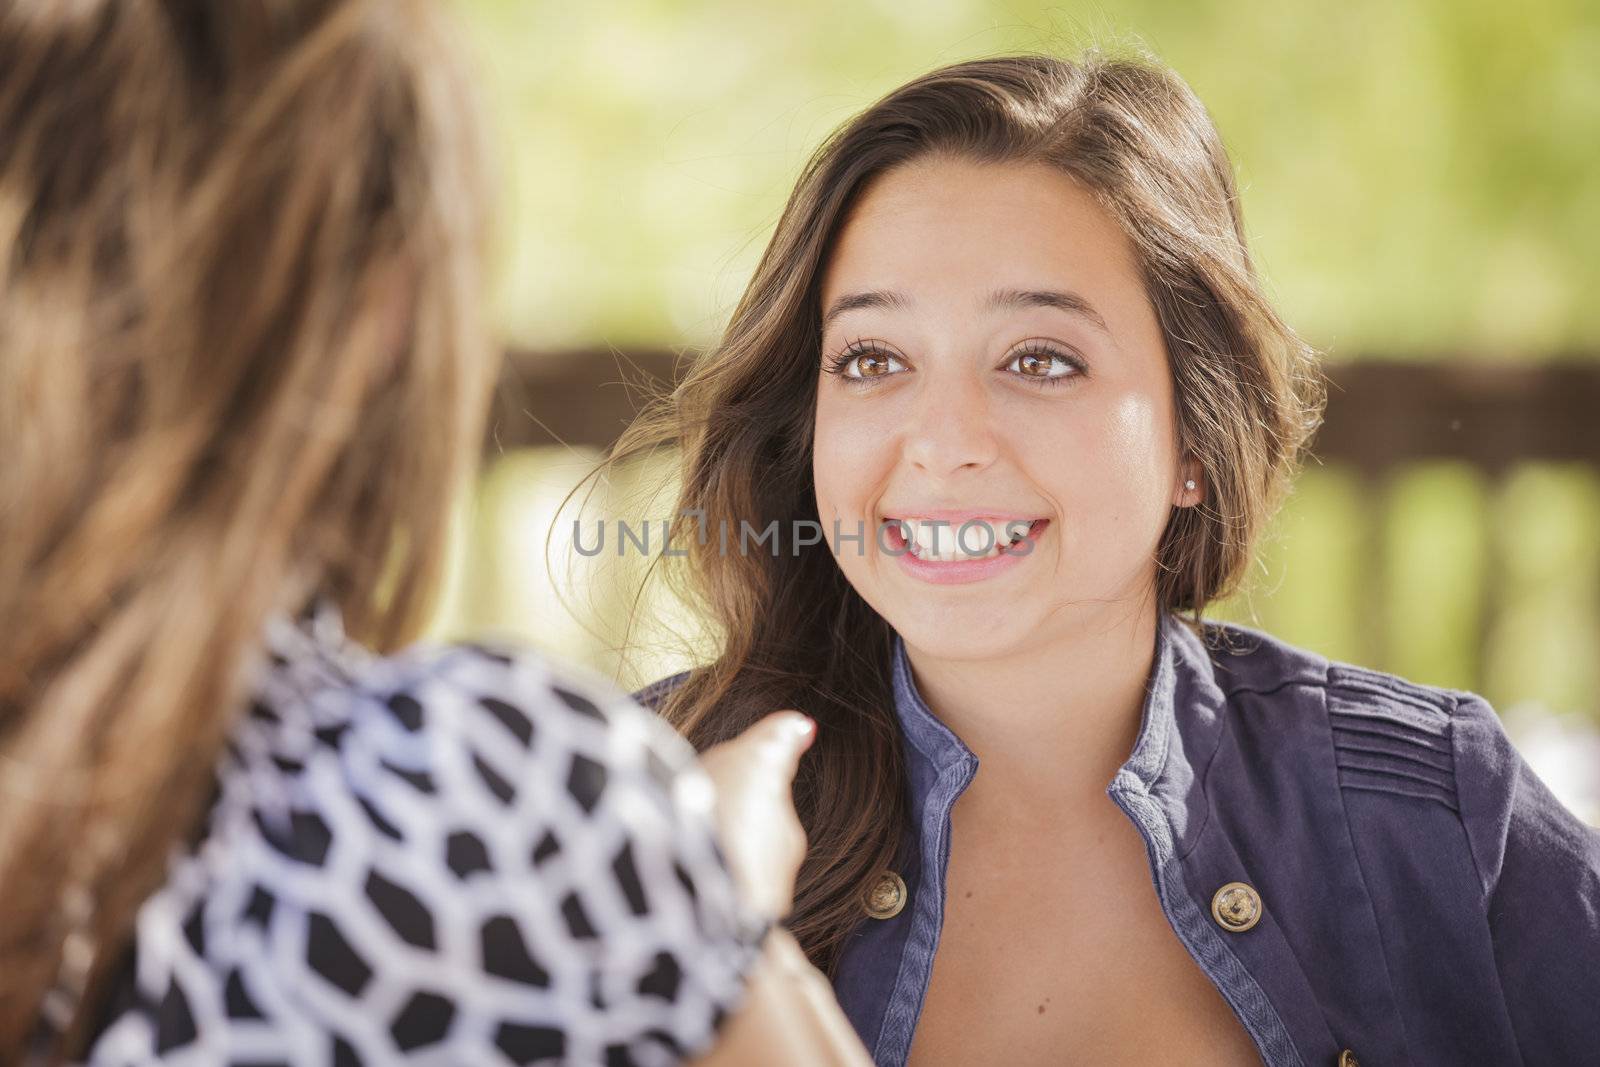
[
  {"x": 792, "y": 631},
  {"x": 240, "y": 365}
]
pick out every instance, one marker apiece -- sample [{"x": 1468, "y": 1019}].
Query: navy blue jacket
[{"x": 1421, "y": 897}]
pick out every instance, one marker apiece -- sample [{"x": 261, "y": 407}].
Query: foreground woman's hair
[
  {"x": 792, "y": 631},
  {"x": 165, "y": 488}
]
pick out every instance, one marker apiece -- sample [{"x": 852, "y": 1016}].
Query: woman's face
[{"x": 990, "y": 361}]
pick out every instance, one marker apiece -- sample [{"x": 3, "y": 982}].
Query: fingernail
[{"x": 804, "y": 725}]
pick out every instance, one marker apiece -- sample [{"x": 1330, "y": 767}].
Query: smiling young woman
[{"x": 1008, "y": 321}]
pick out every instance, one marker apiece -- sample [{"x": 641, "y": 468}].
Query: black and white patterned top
[{"x": 457, "y": 855}]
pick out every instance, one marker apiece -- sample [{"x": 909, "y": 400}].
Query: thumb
[{"x": 785, "y": 735}]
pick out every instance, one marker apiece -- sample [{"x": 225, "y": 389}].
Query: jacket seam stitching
[
  {"x": 1205, "y": 780},
  {"x": 1472, "y": 848},
  {"x": 1369, "y": 682},
  {"x": 1268, "y": 690},
  {"x": 1361, "y": 873},
  {"x": 1488, "y": 890}
]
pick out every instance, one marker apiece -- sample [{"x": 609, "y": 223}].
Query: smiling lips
[{"x": 955, "y": 538}]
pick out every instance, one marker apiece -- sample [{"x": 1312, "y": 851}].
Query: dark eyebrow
[
  {"x": 877, "y": 298},
  {"x": 1071, "y": 303}
]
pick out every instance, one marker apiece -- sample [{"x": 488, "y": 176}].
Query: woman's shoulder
[
  {"x": 437, "y": 687},
  {"x": 1257, "y": 671},
  {"x": 493, "y": 720},
  {"x": 1249, "y": 661},
  {"x": 1393, "y": 743},
  {"x": 1414, "y": 798},
  {"x": 461, "y": 849}
]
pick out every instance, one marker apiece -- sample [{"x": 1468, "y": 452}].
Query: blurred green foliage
[{"x": 1419, "y": 178}]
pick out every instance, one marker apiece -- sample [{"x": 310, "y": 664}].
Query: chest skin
[{"x": 1055, "y": 950}]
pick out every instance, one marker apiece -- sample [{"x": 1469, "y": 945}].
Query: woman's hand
[
  {"x": 756, "y": 821},
  {"x": 790, "y": 1017}
]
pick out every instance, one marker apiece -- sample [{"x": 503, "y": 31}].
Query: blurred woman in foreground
[{"x": 242, "y": 370}]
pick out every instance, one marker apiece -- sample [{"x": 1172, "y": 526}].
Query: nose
[{"x": 950, "y": 429}]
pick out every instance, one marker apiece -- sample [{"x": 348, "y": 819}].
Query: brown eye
[
  {"x": 1042, "y": 365},
  {"x": 1033, "y": 366},
  {"x": 871, "y": 365}
]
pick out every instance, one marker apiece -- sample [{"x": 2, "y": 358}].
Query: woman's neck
[{"x": 1054, "y": 720}]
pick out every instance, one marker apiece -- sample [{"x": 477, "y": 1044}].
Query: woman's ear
[{"x": 1191, "y": 487}]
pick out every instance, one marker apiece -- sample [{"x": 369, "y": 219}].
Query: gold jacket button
[
  {"x": 1236, "y": 907},
  {"x": 887, "y": 897},
  {"x": 1348, "y": 1059}
]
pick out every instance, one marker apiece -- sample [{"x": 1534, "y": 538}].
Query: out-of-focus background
[{"x": 1421, "y": 183}]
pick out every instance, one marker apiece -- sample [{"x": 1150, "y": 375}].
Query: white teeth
[{"x": 941, "y": 542}]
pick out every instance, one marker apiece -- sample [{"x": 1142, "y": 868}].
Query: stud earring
[{"x": 1189, "y": 485}]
